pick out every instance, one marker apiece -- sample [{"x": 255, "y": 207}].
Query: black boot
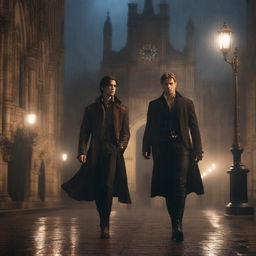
[
  {"x": 104, "y": 204},
  {"x": 104, "y": 229},
  {"x": 176, "y": 209},
  {"x": 104, "y": 233},
  {"x": 177, "y": 234}
]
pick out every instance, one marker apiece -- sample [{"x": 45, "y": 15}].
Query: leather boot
[
  {"x": 177, "y": 234},
  {"x": 177, "y": 216},
  {"x": 104, "y": 229}
]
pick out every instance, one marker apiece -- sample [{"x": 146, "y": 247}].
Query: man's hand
[
  {"x": 82, "y": 158},
  {"x": 199, "y": 157},
  {"x": 146, "y": 155},
  {"x": 121, "y": 148}
]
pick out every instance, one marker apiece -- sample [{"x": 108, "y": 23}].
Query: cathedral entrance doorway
[
  {"x": 19, "y": 166},
  {"x": 41, "y": 181}
]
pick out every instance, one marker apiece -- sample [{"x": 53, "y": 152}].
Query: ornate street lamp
[{"x": 238, "y": 204}]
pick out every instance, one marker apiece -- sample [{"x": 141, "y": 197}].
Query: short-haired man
[
  {"x": 170, "y": 121},
  {"x": 105, "y": 126}
]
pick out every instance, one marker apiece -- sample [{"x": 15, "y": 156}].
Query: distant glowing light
[
  {"x": 31, "y": 119},
  {"x": 64, "y": 157},
  {"x": 209, "y": 170}
]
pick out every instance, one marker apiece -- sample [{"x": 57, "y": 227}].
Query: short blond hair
[{"x": 168, "y": 76}]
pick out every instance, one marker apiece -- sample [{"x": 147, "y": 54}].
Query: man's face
[
  {"x": 110, "y": 89},
  {"x": 169, "y": 87}
]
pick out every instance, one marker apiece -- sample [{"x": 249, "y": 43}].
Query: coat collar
[
  {"x": 162, "y": 99},
  {"x": 116, "y": 112},
  {"x": 178, "y": 96},
  {"x": 100, "y": 100}
]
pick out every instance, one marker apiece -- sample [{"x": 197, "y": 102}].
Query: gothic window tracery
[{"x": 148, "y": 52}]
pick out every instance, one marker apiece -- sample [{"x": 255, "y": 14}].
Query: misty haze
[{"x": 81, "y": 82}]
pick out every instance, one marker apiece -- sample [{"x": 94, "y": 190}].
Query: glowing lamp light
[
  {"x": 31, "y": 119},
  {"x": 209, "y": 170},
  {"x": 64, "y": 157},
  {"x": 225, "y": 38},
  {"x": 214, "y": 166}
]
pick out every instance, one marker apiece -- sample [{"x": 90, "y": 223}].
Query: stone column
[
  {"x": 52, "y": 175},
  {"x": 5, "y": 199},
  {"x": 32, "y": 194}
]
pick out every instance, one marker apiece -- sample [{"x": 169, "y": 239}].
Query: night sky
[{"x": 84, "y": 20}]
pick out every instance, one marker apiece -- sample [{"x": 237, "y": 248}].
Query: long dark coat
[
  {"x": 82, "y": 185},
  {"x": 157, "y": 131}
]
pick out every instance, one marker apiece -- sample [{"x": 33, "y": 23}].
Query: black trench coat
[
  {"x": 82, "y": 185},
  {"x": 157, "y": 131}
]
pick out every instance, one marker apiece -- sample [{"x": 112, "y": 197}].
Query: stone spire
[
  {"x": 190, "y": 40},
  {"x": 107, "y": 24},
  {"x": 148, "y": 7},
  {"x": 107, "y": 36}
]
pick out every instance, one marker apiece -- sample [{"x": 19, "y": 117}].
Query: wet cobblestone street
[{"x": 134, "y": 232}]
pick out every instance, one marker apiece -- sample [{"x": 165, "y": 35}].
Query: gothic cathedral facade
[{"x": 31, "y": 104}]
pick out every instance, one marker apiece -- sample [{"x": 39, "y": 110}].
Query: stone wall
[{"x": 31, "y": 82}]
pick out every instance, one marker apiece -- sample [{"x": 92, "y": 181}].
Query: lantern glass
[{"x": 225, "y": 38}]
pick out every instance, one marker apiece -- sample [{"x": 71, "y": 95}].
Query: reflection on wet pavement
[{"x": 133, "y": 232}]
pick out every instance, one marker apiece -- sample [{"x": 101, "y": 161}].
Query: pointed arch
[
  {"x": 20, "y": 43},
  {"x": 20, "y": 25}
]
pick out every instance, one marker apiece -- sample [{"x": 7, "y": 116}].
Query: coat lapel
[
  {"x": 100, "y": 113},
  {"x": 116, "y": 118},
  {"x": 164, "y": 106},
  {"x": 180, "y": 111}
]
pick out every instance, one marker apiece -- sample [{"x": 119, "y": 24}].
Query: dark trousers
[
  {"x": 177, "y": 165},
  {"x": 106, "y": 172}
]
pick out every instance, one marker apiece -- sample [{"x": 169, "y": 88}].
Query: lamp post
[{"x": 238, "y": 204}]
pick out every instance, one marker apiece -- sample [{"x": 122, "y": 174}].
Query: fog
[{"x": 84, "y": 21}]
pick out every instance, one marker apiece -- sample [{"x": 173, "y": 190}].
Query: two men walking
[{"x": 102, "y": 175}]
